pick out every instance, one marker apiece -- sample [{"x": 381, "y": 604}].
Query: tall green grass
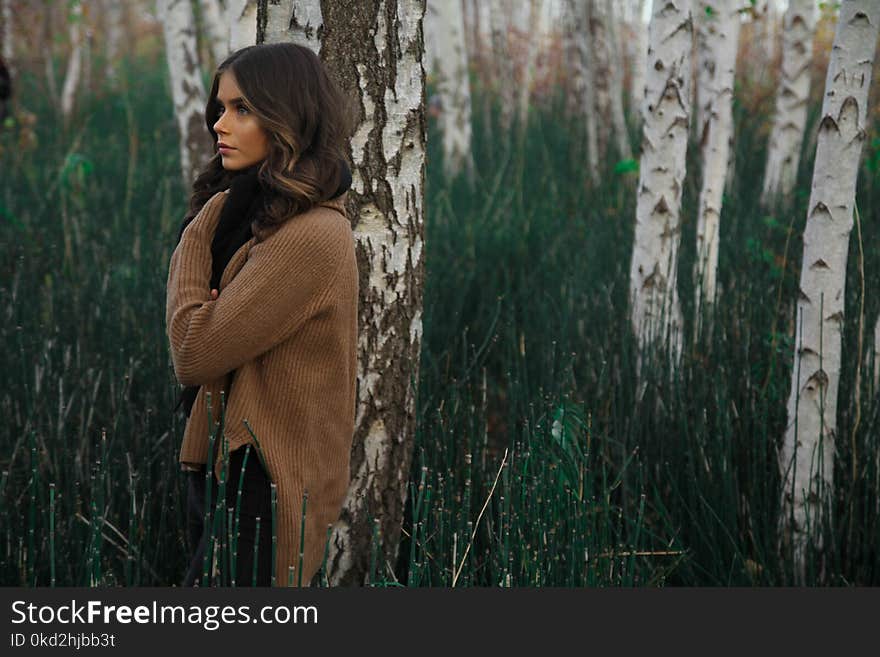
[{"x": 540, "y": 458}]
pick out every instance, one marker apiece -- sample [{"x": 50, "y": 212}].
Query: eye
[{"x": 243, "y": 110}]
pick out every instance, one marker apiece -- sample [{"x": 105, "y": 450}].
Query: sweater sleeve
[{"x": 279, "y": 287}]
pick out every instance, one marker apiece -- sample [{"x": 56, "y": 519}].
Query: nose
[{"x": 218, "y": 125}]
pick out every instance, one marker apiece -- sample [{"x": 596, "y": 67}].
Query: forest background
[{"x": 547, "y": 448}]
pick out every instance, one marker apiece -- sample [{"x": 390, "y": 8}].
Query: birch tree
[
  {"x": 74, "y": 60},
  {"x": 639, "y": 52},
  {"x": 571, "y": 26},
  {"x": 806, "y": 460},
  {"x": 298, "y": 22},
  {"x": 599, "y": 61},
  {"x": 577, "y": 9},
  {"x": 114, "y": 36},
  {"x": 241, "y": 18},
  {"x": 720, "y": 20},
  {"x": 790, "y": 119},
  {"x": 616, "y": 68},
  {"x": 447, "y": 59},
  {"x": 187, "y": 90},
  {"x": 216, "y": 29},
  {"x": 532, "y": 33},
  {"x": 500, "y": 11},
  {"x": 374, "y": 49},
  {"x": 655, "y": 311},
  {"x": 8, "y": 50}
]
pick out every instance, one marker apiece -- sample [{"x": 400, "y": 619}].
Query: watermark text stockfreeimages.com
[{"x": 211, "y": 617}]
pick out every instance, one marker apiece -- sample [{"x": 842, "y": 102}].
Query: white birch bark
[
  {"x": 48, "y": 56},
  {"x": 721, "y": 22},
  {"x": 87, "y": 43},
  {"x": 789, "y": 122},
  {"x": 572, "y": 29},
  {"x": 295, "y": 21},
  {"x": 500, "y": 12},
  {"x": 580, "y": 17},
  {"x": 8, "y": 51},
  {"x": 655, "y": 312},
  {"x": 375, "y": 49},
  {"x": 114, "y": 35},
  {"x": 533, "y": 35},
  {"x": 187, "y": 90},
  {"x": 241, "y": 17},
  {"x": 74, "y": 60},
  {"x": 639, "y": 46},
  {"x": 216, "y": 29},
  {"x": 806, "y": 460},
  {"x": 704, "y": 64},
  {"x": 616, "y": 68},
  {"x": 447, "y": 59},
  {"x": 599, "y": 63}
]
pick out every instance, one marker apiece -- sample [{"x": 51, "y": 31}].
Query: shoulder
[
  {"x": 322, "y": 224},
  {"x": 318, "y": 239},
  {"x": 206, "y": 218}
]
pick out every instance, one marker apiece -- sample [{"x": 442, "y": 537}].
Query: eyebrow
[{"x": 234, "y": 100}]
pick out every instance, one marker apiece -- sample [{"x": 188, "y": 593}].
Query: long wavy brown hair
[{"x": 307, "y": 121}]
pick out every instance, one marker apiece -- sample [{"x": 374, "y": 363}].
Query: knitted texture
[{"x": 281, "y": 341}]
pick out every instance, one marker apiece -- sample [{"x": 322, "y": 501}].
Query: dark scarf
[{"x": 247, "y": 198}]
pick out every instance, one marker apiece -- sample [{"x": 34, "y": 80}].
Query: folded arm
[{"x": 282, "y": 283}]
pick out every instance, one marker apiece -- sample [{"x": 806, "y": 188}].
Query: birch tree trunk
[
  {"x": 806, "y": 461},
  {"x": 532, "y": 34},
  {"x": 639, "y": 59},
  {"x": 374, "y": 48},
  {"x": 49, "y": 56},
  {"x": 580, "y": 26},
  {"x": 789, "y": 122},
  {"x": 655, "y": 312},
  {"x": 298, "y": 21},
  {"x": 447, "y": 59},
  {"x": 8, "y": 50},
  {"x": 114, "y": 34},
  {"x": 616, "y": 68},
  {"x": 599, "y": 62},
  {"x": 187, "y": 90},
  {"x": 722, "y": 21},
  {"x": 216, "y": 29},
  {"x": 74, "y": 61},
  {"x": 241, "y": 17},
  {"x": 500, "y": 12},
  {"x": 87, "y": 44},
  {"x": 705, "y": 67},
  {"x": 572, "y": 26}
]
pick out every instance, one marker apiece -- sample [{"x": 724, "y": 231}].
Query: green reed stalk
[
  {"x": 302, "y": 539},
  {"x": 274, "y": 489},
  {"x": 132, "y": 513},
  {"x": 244, "y": 460},
  {"x": 32, "y": 515},
  {"x": 4, "y": 477},
  {"x": 256, "y": 552},
  {"x": 52, "y": 534},
  {"x": 219, "y": 523},
  {"x": 209, "y": 473}
]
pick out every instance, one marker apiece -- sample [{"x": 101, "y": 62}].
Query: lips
[{"x": 224, "y": 146}]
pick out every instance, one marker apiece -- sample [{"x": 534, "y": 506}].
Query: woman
[{"x": 262, "y": 306}]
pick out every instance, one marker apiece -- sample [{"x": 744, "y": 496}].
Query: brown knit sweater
[{"x": 281, "y": 341}]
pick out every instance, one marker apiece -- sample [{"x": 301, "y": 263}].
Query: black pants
[{"x": 256, "y": 500}]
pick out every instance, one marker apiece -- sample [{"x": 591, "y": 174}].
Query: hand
[{"x": 214, "y": 294}]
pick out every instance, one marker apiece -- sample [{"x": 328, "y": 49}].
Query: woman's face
[{"x": 240, "y": 138}]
